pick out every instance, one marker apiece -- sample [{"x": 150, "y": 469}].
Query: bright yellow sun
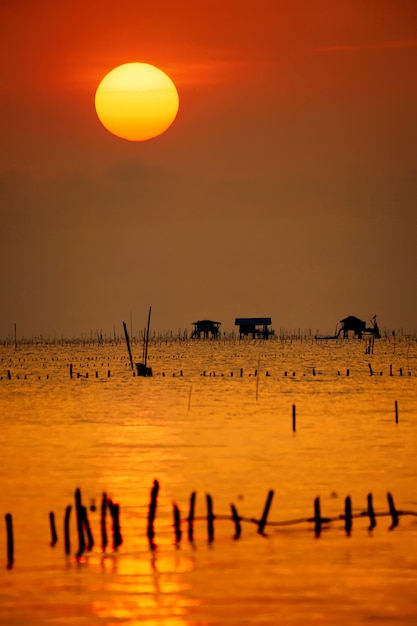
[{"x": 136, "y": 101}]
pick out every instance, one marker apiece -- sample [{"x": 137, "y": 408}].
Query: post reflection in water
[{"x": 148, "y": 590}]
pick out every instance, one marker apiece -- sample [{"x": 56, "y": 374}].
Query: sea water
[{"x": 231, "y": 419}]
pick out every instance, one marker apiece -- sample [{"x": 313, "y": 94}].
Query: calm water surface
[{"x": 216, "y": 418}]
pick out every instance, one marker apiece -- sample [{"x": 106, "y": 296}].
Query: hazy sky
[{"x": 287, "y": 186}]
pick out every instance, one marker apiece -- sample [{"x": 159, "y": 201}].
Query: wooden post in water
[
  {"x": 236, "y": 519},
  {"x": 317, "y": 517},
  {"x": 54, "y": 537},
  {"x": 294, "y": 425},
  {"x": 191, "y": 517},
  {"x": 371, "y": 513},
  {"x": 348, "y": 515},
  {"x": 10, "y": 541},
  {"x": 177, "y": 523},
  {"x": 257, "y": 378},
  {"x": 118, "y": 534},
  {"x": 115, "y": 512},
  {"x": 147, "y": 341},
  {"x": 142, "y": 368},
  {"x": 393, "y": 511},
  {"x": 128, "y": 345},
  {"x": 262, "y": 521},
  {"x": 80, "y": 530},
  {"x": 210, "y": 518},
  {"x": 86, "y": 527},
  {"x": 103, "y": 522},
  {"x": 66, "y": 529},
  {"x": 152, "y": 513},
  {"x": 396, "y": 412}
]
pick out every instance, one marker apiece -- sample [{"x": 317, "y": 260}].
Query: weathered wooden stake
[
  {"x": 152, "y": 513},
  {"x": 115, "y": 512},
  {"x": 128, "y": 345},
  {"x": 294, "y": 419},
  {"x": 210, "y": 518},
  {"x": 66, "y": 529},
  {"x": 236, "y": 519},
  {"x": 86, "y": 527},
  {"x": 54, "y": 537},
  {"x": 396, "y": 412},
  {"x": 79, "y": 512},
  {"x": 348, "y": 515},
  {"x": 10, "y": 541},
  {"x": 371, "y": 513},
  {"x": 393, "y": 511},
  {"x": 317, "y": 517},
  {"x": 103, "y": 522},
  {"x": 190, "y": 519},
  {"x": 177, "y": 523},
  {"x": 370, "y": 369},
  {"x": 145, "y": 361},
  {"x": 262, "y": 521}
]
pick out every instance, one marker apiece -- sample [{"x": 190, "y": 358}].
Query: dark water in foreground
[{"x": 227, "y": 435}]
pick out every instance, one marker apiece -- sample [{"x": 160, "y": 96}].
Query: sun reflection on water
[{"x": 144, "y": 590}]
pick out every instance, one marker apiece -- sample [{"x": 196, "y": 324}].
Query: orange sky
[{"x": 285, "y": 188}]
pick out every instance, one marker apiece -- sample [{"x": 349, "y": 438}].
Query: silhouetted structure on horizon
[
  {"x": 351, "y": 323},
  {"x": 358, "y": 327},
  {"x": 258, "y": 327},
  {"x": 205, "y": 328}
]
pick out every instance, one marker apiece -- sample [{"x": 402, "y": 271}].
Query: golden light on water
[{"x": 235, "y": 442}]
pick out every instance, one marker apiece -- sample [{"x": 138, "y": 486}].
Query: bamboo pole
[
  {"x": 128, "y": 345},
  {"x": 147, "y": 340}
]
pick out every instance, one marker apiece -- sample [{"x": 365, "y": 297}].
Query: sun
[{"x": 136, "y": 101}]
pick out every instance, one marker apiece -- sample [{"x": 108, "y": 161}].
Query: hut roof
[
  {"x": 252, "y": 321},
  {"x": 352, "y": 319}
]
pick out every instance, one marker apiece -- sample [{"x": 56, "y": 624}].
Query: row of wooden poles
[
  {"x": 85, "y": 535},
  {"x": 86, "y": 540},
  {"x": 317, "y": 519},
  {"x": 293, "y": 374}
]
